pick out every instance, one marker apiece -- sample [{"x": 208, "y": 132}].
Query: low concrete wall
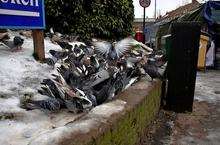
[{"x": 118, "y": 122}]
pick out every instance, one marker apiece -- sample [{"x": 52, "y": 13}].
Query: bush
[{"x": 109, "y": 19}]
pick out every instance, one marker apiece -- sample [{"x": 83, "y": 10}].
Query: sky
[{"x": 162, "y": 5}]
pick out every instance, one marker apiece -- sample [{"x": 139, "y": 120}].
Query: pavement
[{"x": 201, "y": 127}]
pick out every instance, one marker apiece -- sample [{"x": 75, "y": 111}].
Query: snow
[
  {"x": 106, "y": 110},
  {"x": 207, "y": 86},
  {"x": 20, "y": 74},
  {"x": 91, "y": 120},
  {"x": 19, "y": 70}
]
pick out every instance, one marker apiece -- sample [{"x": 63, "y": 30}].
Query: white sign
[{"x": 145, "y": 3}]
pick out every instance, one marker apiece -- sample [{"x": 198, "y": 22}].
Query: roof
[
  {"x": 206, "y": 14},
  {"x": 181, "y": 10}
]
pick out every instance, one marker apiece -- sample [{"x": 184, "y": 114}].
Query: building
[
  {"x": 179, "y": 11},
  {"x": 138, "y": 23}
]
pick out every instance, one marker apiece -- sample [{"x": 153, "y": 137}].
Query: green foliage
[{"x": 91, "y": 18}]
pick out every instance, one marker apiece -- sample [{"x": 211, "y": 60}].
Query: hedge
[{"x": 109, "y": 19}]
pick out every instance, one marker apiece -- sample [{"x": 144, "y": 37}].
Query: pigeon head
[
  {"x": 52, "y": 52},
  {"x": 113, "y": 45},
  {"x": 77, "y": 51},
  {"x": 18, "y": 41},
  {"x": 92, "y": 58},
  {"x": 69, "y": 47}
]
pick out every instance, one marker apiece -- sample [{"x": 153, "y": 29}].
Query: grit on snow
[{"x": 19, "y": 74}]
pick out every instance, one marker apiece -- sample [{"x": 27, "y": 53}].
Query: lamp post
[
  {"x": 144, "y": 4},
  {"x": 144, "y": 26},
  {"x": 155, "y": 10}
]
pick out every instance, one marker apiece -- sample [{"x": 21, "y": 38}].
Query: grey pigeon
[
  {"x": 65, "y": 45},
  {"x": 18, "y": 42},
  {"x": 152, "y": 70},
  {"x": 113, "y": 51},
  {"x": 58, "y": 54},
  {"x": 50, "y": 104},
  {"x": 4, "y": 37}
]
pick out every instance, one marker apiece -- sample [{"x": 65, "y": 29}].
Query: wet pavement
[{"x": 201, "y": 127}]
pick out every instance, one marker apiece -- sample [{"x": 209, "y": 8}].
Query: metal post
[
  {"x": 155, "y": 10},
  {"x": 144, "y": 26}
]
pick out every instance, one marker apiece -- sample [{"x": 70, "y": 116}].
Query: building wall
[
  {"x": 138, "y": 23},
  {"x": 138, "y": 26}
]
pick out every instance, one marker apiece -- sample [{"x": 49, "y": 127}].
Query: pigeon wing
[
  {"x": 102, "y": 47},
  {"x": 122, "y": 46}
]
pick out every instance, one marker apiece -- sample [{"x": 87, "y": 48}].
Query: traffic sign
[
  {"x": 145, "y": 3},
  {"x": 22, "y": 14}
]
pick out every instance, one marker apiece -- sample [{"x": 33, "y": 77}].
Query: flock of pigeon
[
  {"x": 16, "y": 45},
  {"x": 92, "y": 73}
]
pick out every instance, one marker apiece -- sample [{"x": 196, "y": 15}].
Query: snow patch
[{"x": 207, "y": 84}]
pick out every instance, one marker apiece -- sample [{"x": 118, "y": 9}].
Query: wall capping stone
[{"x": 118, "y": 122}]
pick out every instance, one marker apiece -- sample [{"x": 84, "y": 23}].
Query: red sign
[{"x": 145, "y": 3}]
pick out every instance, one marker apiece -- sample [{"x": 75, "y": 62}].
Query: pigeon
[
  {"x": 88, "y": 50},
  {"x": 50, "y": 104},
  {"x": 71, "y": 76},
  {"x": 18, "y": 42},
  {"x": 58, "y": 55},
  {"x": 113, "y": 51},
  {"x": 4, "y": 36},
  {"x": 51, "y": 61},
  {"x": 152, "y": 70},
  {"x": 128, "y": 62},
  {"x": 90, "y": 75},
  {"x": 65, "y": 45},
  {"x": 77, "y": 51},
  {"x": 94, "y": 63},
  {"x": 104, "y": 92},
  {"x": 61, "y": 96},
  {"x": 49, "y": 87}
]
